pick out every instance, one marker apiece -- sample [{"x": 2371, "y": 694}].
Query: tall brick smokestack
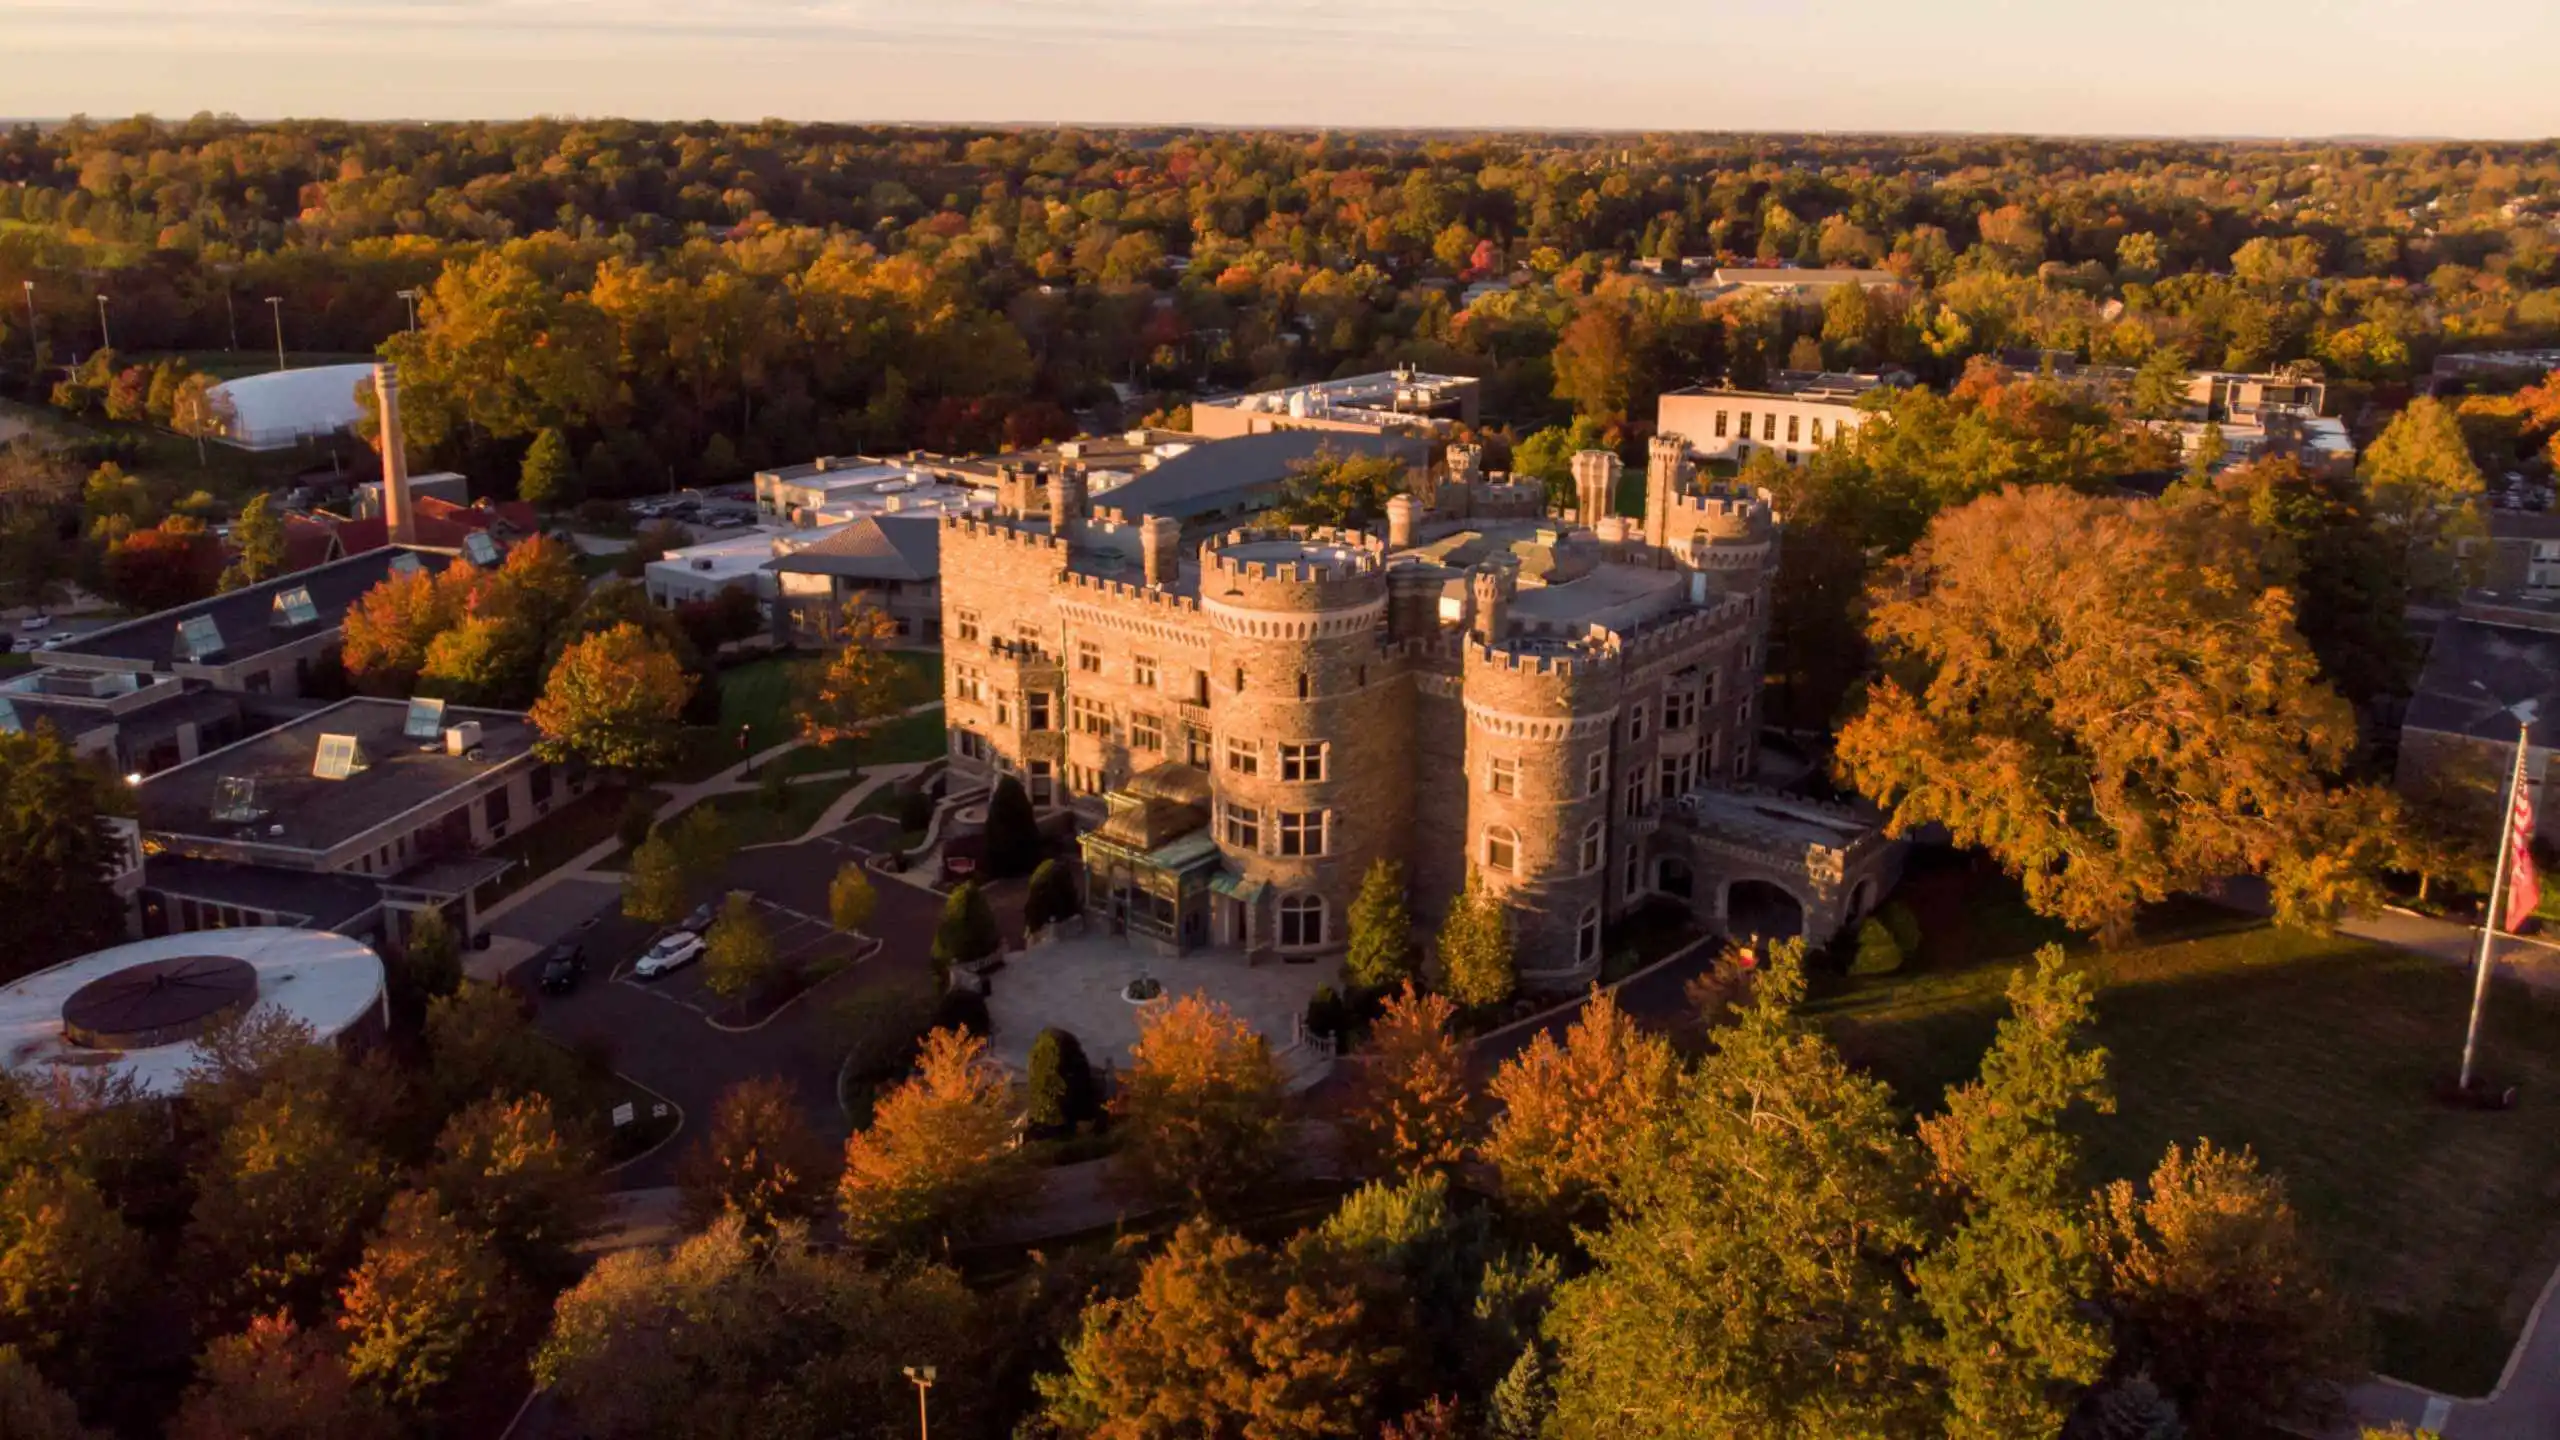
[{"x": 395, "y": 458}]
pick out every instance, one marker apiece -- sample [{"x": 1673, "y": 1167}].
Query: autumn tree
[
  {"x": 506, "y": 1168},
  {"x": 257, "y": 533},
  {"x": 277, "y": 1381},
  {"x": 2422, "y": 484},
  {"x": 613, "y": 700},
  {"x": 1059, "y": 1090},
  {"x": 1340, "y": 488},
  {"x": 966, "y": 933},
  {"x": 728, "y": 1335},
  {"x": 481, "y": 1043},
  {"x": 31, "y": 1408},
  {"x": 1578, "y": 1118},
  {"x": 860, "y": 687},
  {"x": 390, "y": 627},
  {"x": 2010, "y": 1287},
  {"x": 1199, "y": 1110},
  {"x": 738, "y": 954},
  {"x": 2218, "y": 1297},
  {"x": 1755, "y": 1281},
  {"x": 71, "y": 1272},
  {"x": 168, "y": 565},
  {"x": 851, "y": 898},
  {"x": 281, "y": 1206},
  {"x": 941, "y": 1156},
  {"x": 2107, "y": 698},
  {"x": 57, "y": 857},
  {"x": 1381, "y": 946},
  {"x": 759, "y": 1161},
  {"x": 653, "y": 884},
  {"x": 1221, "y": 1337},
  {"x": 548, "y": 478},
  {"x": 1472, "y": 957},
  {"x": 426, "y": 1308},
  {"x": 429, "y": 965},
  {"x": 1410, "y": 1111}
]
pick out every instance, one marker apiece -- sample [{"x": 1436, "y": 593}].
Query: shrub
[
  {"x": 773, "y": 788},
  {"x": 967, "y": 932},
  {"x": 1013, "y": 831},
  {"x": 962, "y": 1010},
  {"x": 880, "y": 1029},
  {"x": 1326, "y": 1013},
  {"x": 915, "y": 811},
  {"x": 639, "y": 817},
  {"x": 1051, "y": 896},
  {"x": 1878, "y": 954},
  {"x": 1061, "y": 1086},
  {"x": 1903, "y": 926}
]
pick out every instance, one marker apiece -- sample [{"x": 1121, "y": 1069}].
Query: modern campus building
[
  {"x": 1567, "y": 709},
  {"x": 1791, "y": 417},
  {"x": 1403, "y": 401}
]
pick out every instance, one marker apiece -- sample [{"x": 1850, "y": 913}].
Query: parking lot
[{"x": 798, "y": 938}]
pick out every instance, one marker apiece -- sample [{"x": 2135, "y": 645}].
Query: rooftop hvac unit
[
  {"x": 463, "y": 738},
  {"x": 702, "y": 565}
]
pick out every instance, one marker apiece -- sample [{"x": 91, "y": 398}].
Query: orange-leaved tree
[
  {"x": 860, "y": 687},
  {"x": 1411, "y": 1107},
  {"x": 1575, "y": 1115},
  {"x": 1200, "y": 1110},
  {"x": 941, "y": 1156},
  {"x": 614, "y": 700},
  {"x": 760, "y": 1161}
]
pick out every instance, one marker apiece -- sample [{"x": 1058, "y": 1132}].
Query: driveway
[{"x": 660, "y": 1033}]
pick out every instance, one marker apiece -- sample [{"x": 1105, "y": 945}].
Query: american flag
[{"x": 2524, "y": 887}]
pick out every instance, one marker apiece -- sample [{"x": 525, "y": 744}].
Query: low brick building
[{"x": 1253, "y": 723}]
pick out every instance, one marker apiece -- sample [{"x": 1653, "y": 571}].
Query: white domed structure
[{"x": 137, "y": 1011}]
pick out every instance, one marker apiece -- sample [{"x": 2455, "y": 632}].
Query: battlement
[
  {"x": 1683, "y": 630},
  {"x": 1550, "y": 656},
  {"x": 1117, "y": 589},
  {"x": 990, "y": 527},
  {"x": 1293, "y": 569}
]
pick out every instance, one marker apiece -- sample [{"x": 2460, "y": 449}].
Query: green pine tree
[
  {"x": 1476, "y": 965},
  {"x": 550, "y": 475},
  {"x": 1381, "y": 953}
]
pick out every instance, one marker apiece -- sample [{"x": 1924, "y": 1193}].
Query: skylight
[
  {"x": 294, "y": 607},
  {"x": 338, "y": 758},
  {"x": 425, "y": 720},
  {"x": 199, "y": 638}
]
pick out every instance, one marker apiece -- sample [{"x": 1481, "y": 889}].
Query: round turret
[{"x": 1540, "y": 718}]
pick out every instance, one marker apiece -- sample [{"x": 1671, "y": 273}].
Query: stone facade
[{"x": 1483, "y": 687}]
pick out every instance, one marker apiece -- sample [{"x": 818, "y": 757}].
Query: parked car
[
  {"x": 701, "y": 918},
  {"x": 37, "y": 621},
  {"x": 58, "y": 637},
  {"x": 673, "y": 952},
  {"x": 563, "y": 967}
]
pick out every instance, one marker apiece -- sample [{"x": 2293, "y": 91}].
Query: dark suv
[{"x": 563, "y": 966}]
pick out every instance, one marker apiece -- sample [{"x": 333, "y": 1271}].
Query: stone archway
[
  {"x": 1759, "y": 910},
  {"x": 1673, "y": 876}
]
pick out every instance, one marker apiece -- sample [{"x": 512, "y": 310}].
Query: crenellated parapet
[
  {"x": 1269, "y": 573},
  {"x": 1001, "y": 530}
]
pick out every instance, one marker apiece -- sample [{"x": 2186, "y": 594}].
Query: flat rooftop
[
  {"x": 317, "y": 814},
  {"x": 1796, "y": 385},
  {"x": 246, "y": 618},
  {"x": 1612, "y": 595}
]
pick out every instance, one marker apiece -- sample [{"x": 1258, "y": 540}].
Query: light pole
[
  {"x": 105, "y": 342},
  {"x": 412, "y": 297},
  {"x": 275, "y": 304},
  {"x": 35, "y": 349},
  {"x": 231, "y": 313},
  {"x": 924, "y": 1382}
]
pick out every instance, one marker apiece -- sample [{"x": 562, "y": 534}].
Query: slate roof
[
  {"x": 2493, "y": 653},
  {"x": 875, "y": 547},
  {"x": 1215, "y": 474},
  {"x": 246, "y": 617}
]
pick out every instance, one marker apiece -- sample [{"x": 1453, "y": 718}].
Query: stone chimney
[
  {"x": 1490, "y": 587},
  {"x": 1466, "y": 463},
  {"x": 1160, "y": 541},
  {"x": 396, "y": 511},
  {"x": 1401, "y": 510},
  {"x": 1666, "y": 475},
  {"x": 1066, "y": 499},
  {"x": 1595, "y": 485}
]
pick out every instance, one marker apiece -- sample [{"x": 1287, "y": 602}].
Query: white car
[
  {"x": 673, "y": 952},
  {"x": 36, "y": 621}
]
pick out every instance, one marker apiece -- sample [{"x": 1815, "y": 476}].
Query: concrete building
[
  {"x": 351, "y": 818},
  {"x": 1251, "y": 722},
  {"x": 891, "y": 562},
  {"x": 1392, "y": 402},
  {"x": 136, "y": 1014},
  {"x": 2521, "y": 555},
  {"x": 1791, "y": 418}
]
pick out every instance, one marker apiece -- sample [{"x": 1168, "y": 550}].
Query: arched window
[
  {"x": 1302, "y": 921},
  {"x": 1592, "y": 848},
  {"x": 1586, "y": 937},
  {"x": 1501, "y": 848}
]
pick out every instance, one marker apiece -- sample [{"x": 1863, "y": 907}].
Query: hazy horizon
[{"x": 2363, "y": 70}]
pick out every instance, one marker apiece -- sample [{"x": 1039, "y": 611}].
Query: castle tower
[
  {"x": 1595, "y": 485},
  {"x": 1666, "y": 476},
  {"x": 1066, "y": 499},
  {"x": 396, "y": 511},
  {"x": 1466, "y": 463},
  {"x": 1490, "y": 587},
  {"x": 1401, "y": 511},
  {"x": 1160, "y": 543},
  {"x": 1537, "y": 795}
]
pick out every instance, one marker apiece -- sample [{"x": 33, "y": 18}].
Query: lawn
[
  {"x": 758, "y": 695},
  {"x": 559, "y": 838},
  {"x": 755, "y": 823},
  {"x": 2318, "y": 1054}
]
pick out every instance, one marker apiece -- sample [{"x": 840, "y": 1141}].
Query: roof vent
[{"x": 463, "y": 739}]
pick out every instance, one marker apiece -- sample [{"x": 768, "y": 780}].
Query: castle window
[
  {"x": 1302, "y": 921},
  {"x": 1593, "y": 850},
  {"x": 1501, "y": 848},
  {"x": 1306, "y": 686},
  {"x": 1302, "y": 832},
  {"x": 1302, "y": 761},
  {"x": 1746, "y": 425},
  {"x": 1711, "y": 686},
  {"x": 1741, "y": 759},
  {"x": 1088, "y": 717},
  {"x": 971, "y": 682},
  {"x": 1035, "y": 710},
  {"x": 1793, "y": 422},
  {"x": 1502, "y": 776},
  {"x": 1239, "y": 679},
  {"x": 1088, "y": 657},
  {"x": 1244, "y": 757},
  {"x": 969, "y": 745},
  {"x": 1241, "y": 827},
  {"x": 1004, "y": 708},
  {"x": 1679, "y": 773},
  {"x": 1146, "y": 732},
  {"x": 1595, "y": 772},
  {"x": 1586, "y": 936},
  {"x": 1084, "y": 780},
  {"x": 1199, "y": 687},
  {"x": 1041, "y": 782},
  {"x": 1635, "y": 790},
  {"x": 968, "y": 625},
  {"x": 1635, "y": 724},
  {"x": 1142, "y": 670},
  {"x": 1632, "y": 879},
  {"x": 1721, "y": 417},
  {"x": 1195, "y": 746},
  {"x": 1679, "y": 710}
]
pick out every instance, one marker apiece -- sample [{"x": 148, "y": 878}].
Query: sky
[{"x": 2453, "y": 68}]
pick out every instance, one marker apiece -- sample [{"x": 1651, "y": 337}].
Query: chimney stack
[
  {"x": 395, "y": 458},
  {"x": 1066, "y": 499},
  {"x": 1401, "y": 510},
  {"x": 1595, "y": 485},
  {"x": 1490, "y": 587},
  {"x": 1160, "y": 538}
]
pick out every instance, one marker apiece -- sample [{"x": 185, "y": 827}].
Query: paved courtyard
[{"x": 1074, "y": 984}]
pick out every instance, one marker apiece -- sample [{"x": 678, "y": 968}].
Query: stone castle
[{"x": 1565, "y": 703}]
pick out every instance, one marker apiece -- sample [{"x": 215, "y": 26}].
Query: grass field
[
  {"x": 758, "y": 696},
  {"x": 2318, "y": 1054},
  {"x": 755, "y": 823}
]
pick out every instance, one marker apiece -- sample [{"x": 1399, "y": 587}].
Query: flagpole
[{"x": 2497, "y": 898}]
